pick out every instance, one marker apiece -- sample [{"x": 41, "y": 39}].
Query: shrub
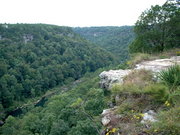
[
  {"x": 125, "y": 108},
  {"x": 174, "y": 97},
  {"x": 168, "y": 123},
  {"x": 126, "y": 88},
  {"x": 123, "y": 66},
  {"x": 137, "y": 58},
  {"x": 171, "y": 77},
  {"x": 134, "y": 82},
  {"x": 158, "y": 92},
  {"x": 170, "y": 52}
]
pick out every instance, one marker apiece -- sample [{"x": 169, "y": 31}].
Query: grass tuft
[
  {"x": 168, "y": 123},
  {"x": 137, "y": 58}
]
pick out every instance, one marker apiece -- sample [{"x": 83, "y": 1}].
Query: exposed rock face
[
  {"x": 5, "y": 26},
  {"x": 110, "y": 77},
  {"x": 158, "y": 64},
  {"x": 27, "y": 37}
]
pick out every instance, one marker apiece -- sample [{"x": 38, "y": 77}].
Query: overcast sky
[{"x": 74, "y": 12}]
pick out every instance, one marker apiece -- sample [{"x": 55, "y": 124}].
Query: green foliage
[
  {"x": 113, "y": 39},
  {"x": 73, "y": 112},
  {"x": 168, "y": 123},
  {"x": 174, "y": 97},
  {"x": 158, "y": 93},
  {"x": 83, "y": 128},
  {"x": 8, "y": 129},
  {"x": 125, "y": 108},
  {"x": 38, "y": 57},
  {"x": 95, "y": 103},
  {"x": 126, "y": 89},
  {"x": 171, "y": 77},
  {"x": 134, "y": 82},
  {"x": 59, "y": 128},
  {"x": 123, "y": 66},
  {"x": 137, "y": 58},
  {"x": 77, "y": 103},
  {"x": 157, "y": 28}
]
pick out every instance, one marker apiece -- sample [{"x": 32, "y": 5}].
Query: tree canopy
[
  {"x": 157, "y": 28},
  {"x": 113, "y": 39},
  {"x": 37, "y": 57}
]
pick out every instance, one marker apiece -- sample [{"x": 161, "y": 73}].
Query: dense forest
[
  {"x": 37, "y": 57},
  {"x": 74, "y": 112},
  {"x": 113, "y": 39}
]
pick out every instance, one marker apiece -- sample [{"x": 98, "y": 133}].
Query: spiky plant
[{"x": 171, "y": 77}]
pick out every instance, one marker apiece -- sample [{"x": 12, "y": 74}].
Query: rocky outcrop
[
  {"x": 113, "y": 118},
  {"x": 158, "y": 64},
  {"x": 112, "y": 76},
  {"x": 108, "y": 78}
]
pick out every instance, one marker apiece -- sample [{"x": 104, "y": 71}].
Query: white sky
[{"x": 74, "y": 12}]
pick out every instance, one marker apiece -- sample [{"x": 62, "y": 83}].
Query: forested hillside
[
  {"x": 70, "y": 113},
  {"x": 113, "y": 39},
  {"x": 37, "y": 57},
  {"x": 140, "y": 97}
]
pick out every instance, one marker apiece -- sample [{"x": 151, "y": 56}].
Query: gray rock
[
  {"x": 27, "y": 37},
  {"x": 112, "y": 76},
  {"x": 1, "y": 123},
  {"x": 117, "y": 98},
  {"x": 70, "y": 35},
  {"x": 106, "y": 111},
  {"x": 109, "y": 117},
  {"x": 158, "y": 64},
  {"x": 149, "y": 116},
  {"x": 110, "y": 104},
  {"x": 106, "y": 120}
]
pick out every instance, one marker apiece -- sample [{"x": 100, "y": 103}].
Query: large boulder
[{"x": 112, "y": 76}]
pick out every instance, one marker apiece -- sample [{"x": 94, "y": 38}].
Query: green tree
[
  {"x": 11, "y": 126},
  {"x": 85, "y": 127},
  {"x": 59, "y": 128},
  {"x": 3, "y": 68},
  {"x": 155, "y": 28}
]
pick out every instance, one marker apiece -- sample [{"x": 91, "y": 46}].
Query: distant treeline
[{"x": 113, "y": 39}]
